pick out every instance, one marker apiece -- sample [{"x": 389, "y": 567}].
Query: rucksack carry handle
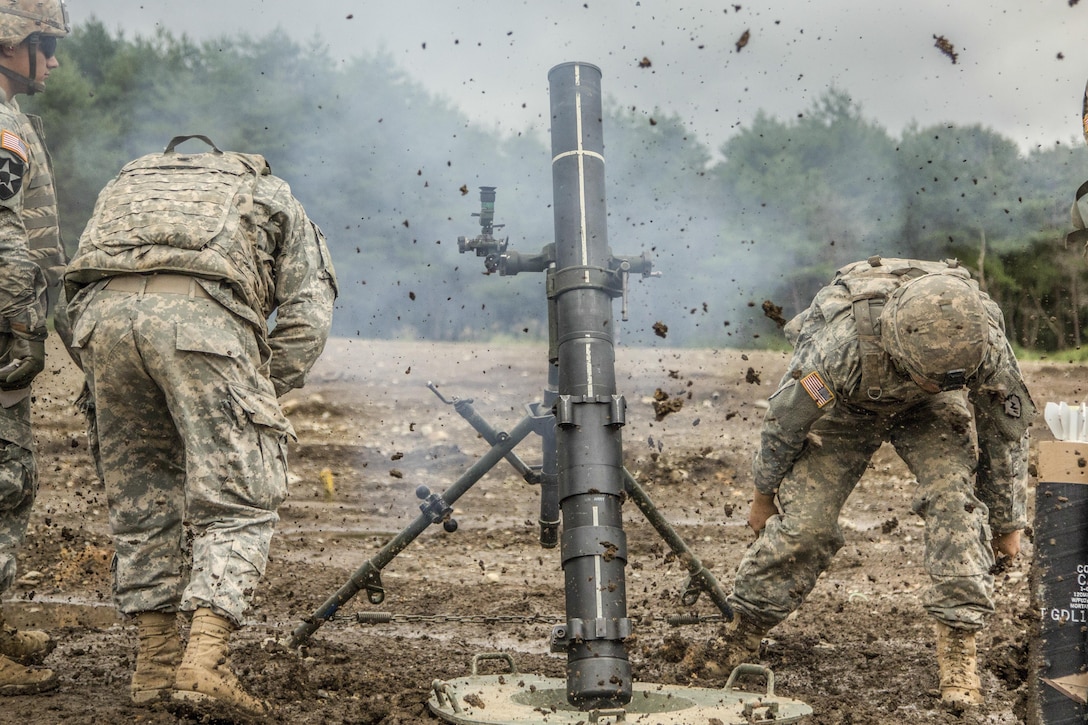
[{"x": 182, "y": 139}]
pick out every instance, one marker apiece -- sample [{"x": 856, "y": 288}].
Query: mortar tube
[{"x": 589, "y": 414}]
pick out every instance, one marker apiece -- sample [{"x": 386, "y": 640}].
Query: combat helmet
[
  {"x": 936, "y": 328},
  {"x": 31, "y": 21}
]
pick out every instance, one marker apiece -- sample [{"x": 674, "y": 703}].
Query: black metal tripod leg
[
  {"x": 547, "y": 476},
  {"x": 700, "y": 575},
  {"x": 399, "y": 543}
]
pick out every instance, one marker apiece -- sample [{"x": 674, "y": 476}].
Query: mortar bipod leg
[
  {"x": 464, "y": 408},
  {"x": 368, "y": 571},
  {"x": 546, "y": 475},
  {"x": 701, "y": 579}
]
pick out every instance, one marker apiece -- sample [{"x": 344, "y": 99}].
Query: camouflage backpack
[
  {"x": 861, "y": 289},
  {"x": 185, "y": 201},
  {"x": 185, "y": 213}
]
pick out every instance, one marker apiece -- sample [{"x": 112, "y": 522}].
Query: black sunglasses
[{"x": 48, "y": 45}]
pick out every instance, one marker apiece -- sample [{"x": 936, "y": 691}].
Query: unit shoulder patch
[
  {"x": 12, "y": 170},
  {"x": 817, "y": 389}
]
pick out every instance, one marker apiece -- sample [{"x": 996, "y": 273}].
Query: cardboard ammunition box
[{"x": 1062, "y": 462}]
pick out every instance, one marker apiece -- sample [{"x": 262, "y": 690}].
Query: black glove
[{"x": 27, "y": 360}]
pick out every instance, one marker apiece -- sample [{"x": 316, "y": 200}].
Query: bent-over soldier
[
  {"x": 893, "y": 350},
  {"x": 178, "y": 273}
]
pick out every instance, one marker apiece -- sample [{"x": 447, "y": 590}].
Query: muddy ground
[{"x": 370, "y": 432}]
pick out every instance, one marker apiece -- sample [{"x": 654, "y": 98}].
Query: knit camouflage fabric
[
  {"x": 20, "y": 18},
  {"x": 189, "y": 431},
  {"x": 820, "y": 432},
  {"x": 40, "y": 205}
]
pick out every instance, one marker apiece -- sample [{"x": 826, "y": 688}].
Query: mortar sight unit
[
  {"x": 485, "y": 244},
  {"x": 498, "y": 257}
]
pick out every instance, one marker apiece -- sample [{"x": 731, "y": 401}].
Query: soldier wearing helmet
[
  {"x": 29, "y": 30},
  {"x": 892, "y": 351},
  {"x": 30, "y": 254}
]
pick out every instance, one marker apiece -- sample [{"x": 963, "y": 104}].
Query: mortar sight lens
[{"x": 487, "y": 208}]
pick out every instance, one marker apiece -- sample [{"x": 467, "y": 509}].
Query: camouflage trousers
[
  {"x": 18, "y": 489},
  {"x": 935, "y": 440},
  {"x": 189, "y": 437}
]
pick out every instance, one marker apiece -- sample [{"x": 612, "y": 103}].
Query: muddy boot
[
  {"x": 157, "y": 658},
  {"x": 957, "y": 658},
  {"x": 204, "y": 678},
  {"x": 28, "y": 647},
  {"x": 17, "y": 679},
  {"x": 736, "y": 642}
]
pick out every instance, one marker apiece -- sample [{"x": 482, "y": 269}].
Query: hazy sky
[{"x": 1021, "y": 65}]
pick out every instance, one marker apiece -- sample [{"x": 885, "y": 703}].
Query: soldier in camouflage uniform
[
  {"x": 183, "y": 262},
  {"x": 892, "y": 350},
  {"x": 29, "y": 246}
]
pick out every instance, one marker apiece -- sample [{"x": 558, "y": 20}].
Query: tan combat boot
[
  {"x": 957, "y": 659},
  {"x": 736, "y": 642},
  {"x": 204, "y": 676},
  {"x": 17, "y": 679},
  {"x": 157, "y": 658},
  {"x": 28, "y": 647}
]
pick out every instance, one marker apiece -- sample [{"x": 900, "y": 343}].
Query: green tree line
[{"x": 391, "y": 174}]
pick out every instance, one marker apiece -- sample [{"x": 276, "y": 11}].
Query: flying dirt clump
[
  {"x": 774, "y": 313},
  {"x": 945, "y": 46},
  {"x": 665, "y": 404}
]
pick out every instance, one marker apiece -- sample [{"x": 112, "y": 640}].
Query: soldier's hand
[
  {"x": 763, "y": 508},
  {"x": 1006, "y": 544},
  {"x": 27, "y": 360}
]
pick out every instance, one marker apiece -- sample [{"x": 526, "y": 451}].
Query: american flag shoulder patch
[
  {"x": 817, "y": 389},
  {"x": 14, "y": 144}
]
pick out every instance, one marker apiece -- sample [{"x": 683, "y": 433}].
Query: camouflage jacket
[
  {"x": 237, "y": 228},
  {"x": 24, "y": 176},
  {"x": 826, "y": 342}
]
